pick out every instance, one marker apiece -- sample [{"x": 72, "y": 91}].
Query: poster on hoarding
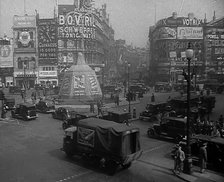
[
  {"x": 79, "y": 85},
  {"x": 66, "y": 85},
  {"x": 6, "y": 56},
  {"x": 93, "y": 85},
  {"x": 189, "y": 33}
]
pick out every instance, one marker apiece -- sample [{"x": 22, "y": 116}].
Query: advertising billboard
[
  {"x": 189, "y": 33},
  {"x": 24, "y": 40},
  {"x": 75, "y": 24},
  {"x": 47, "y": 39},
  {"x": 165, "y": 33},
  {"x": 24, "y": 21},
  {"x": 6, "y": 56}
]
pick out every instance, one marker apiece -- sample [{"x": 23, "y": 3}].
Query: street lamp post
[
  {"x": 188, "y": 160},
  {"x": 129, "y": 100},
  {"x": 24, "y": 81},
  {"x": 103, "y": 65}
]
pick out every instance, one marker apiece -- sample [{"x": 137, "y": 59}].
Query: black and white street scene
[{"x": 112, "y": 91}]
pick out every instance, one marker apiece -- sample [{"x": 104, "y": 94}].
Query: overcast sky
[{"x": 129, "y": 18}]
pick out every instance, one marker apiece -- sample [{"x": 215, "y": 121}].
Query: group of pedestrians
[
  {"x": 210, "y": 127},
  {"x": 179, "y": 157}
]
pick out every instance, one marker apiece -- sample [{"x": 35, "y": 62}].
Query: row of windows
[{"x": 49, "y": 68}]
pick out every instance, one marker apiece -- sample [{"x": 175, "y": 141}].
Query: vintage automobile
[
  {"x": 10, "y": 103},
  {"x": 25, "y": 111},
  {"x": 108, "y": 143},
  {"x": 215, "y": 150},
  {"x": 153, "y": 109},
  {"x": 116, "y": 115},
  {"x": 45, "y": 106},
  {"x": 137, "y": 89},
  {"x": 162, "y": 87},
  {"x": 74, "y": 118},
  {"x": 172, "y": 127},
  {"x": 64, "y": 113}
]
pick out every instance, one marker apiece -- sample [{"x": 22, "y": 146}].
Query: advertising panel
[
  {"x": 25, "y": 40},
  {"x": 85, "y": 136},
  {"x": 189, "y": 33},
  {"x": 47, "y": 73},
  {"x": 179, "y": 21},
  {"x": 6, "y": 56},
  {"x": 66, "y": 86},
  {"x": 24, "y": 21},
  {"x": 47, "y": 39},
  {"x": 94, "y": 88},
  {"x": 75, "y": 24},
  {"x": 79, "y": 85},
  {"x": 165, "y": 33}
]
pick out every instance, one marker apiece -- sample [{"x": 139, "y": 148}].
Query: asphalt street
[{"x": 30, "y": 151}]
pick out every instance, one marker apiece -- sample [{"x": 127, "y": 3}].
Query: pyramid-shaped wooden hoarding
[{"x": 80, "y": 82}]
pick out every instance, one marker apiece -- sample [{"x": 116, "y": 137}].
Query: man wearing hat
[
  {"x": 203, "y": 157},
  {"x": 179, "y": 159}
]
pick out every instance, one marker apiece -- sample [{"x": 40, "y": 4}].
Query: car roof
[
  {"x": 26, "y": 104},
  {"x": 176, "y": 119},
  {"x": 207, "y": 138},
  {"x": 105, "y": 124},
  {"x": 117, "y": 111}
]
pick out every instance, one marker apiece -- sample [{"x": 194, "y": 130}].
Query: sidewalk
[{"x": 196, "y": 176}]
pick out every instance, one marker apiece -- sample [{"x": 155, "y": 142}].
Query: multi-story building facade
[
  {"x": 25, "y": 51},
  {"x": 169, "y": 39},
  {"x": 6, "y": 62},
  {"x": 47, "y": 51},
  {"x": 214, "y": 49},
  {"x": 82, "y": 28}
]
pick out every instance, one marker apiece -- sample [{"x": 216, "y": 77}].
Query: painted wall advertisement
[
  {"x": 47, "y": 39},
  {"x": 6, "y": 56},
  {"x": 189, "y": 33}
]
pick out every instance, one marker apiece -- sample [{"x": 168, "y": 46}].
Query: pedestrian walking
[
  {"x": 179, "y": 159},
  {"x": 153, "y": 98},
  {"x": 203, "y": 157}
]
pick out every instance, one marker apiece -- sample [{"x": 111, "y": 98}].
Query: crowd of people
[{"x": 210, "y": 127}]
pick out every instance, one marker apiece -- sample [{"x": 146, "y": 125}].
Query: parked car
[
  {"x": 10, "y": 103},
  {"x": 108, "y": 143},
  {"x": 172, "y": 127},
  {"x": 116, "y": 115},
  {"x": 162, "y": 87},
  {"x": 64, "y": 113},
  {"x": 76, "y": 117},
  {"x": 45, "y": 106},
  {"x": 25, "y": 111}
]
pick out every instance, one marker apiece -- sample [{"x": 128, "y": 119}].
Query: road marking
[
  {"x": 155, "y": 148},
  {"x": 74, "y": 176}
]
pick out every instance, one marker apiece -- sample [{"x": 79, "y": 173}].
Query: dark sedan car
[
  {"x": 64, "y": 113},
  {"x": 25, "y": 111},
  {"x": 45, "y": 106}
]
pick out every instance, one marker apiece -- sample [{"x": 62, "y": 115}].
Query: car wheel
[
  {"x": 53, "y": 115},
  {"x": 112, "y": 167},
  {"x": 151, "y": 132},
  {"x": 64, "y": 125},
  {"x": 126, "y": 166}
]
